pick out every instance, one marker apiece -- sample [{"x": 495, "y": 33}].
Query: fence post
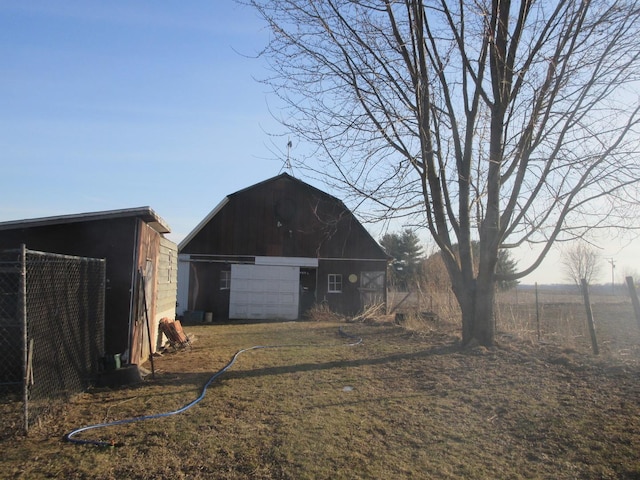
[
  {"x": 634, "y": 298},
  {"x": 587, "y": 305},
  {"x": 537, "y": 313},
  {"x": 25, "y": 335}
]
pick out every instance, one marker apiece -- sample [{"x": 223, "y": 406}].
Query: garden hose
[{"x": 70, "y": 437}]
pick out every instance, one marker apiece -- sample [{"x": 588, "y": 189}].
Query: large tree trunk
[
  {"x": 476, "y": 300},
  {"x": 484, "y": 322},
  {"x": 466, "y": 294}
]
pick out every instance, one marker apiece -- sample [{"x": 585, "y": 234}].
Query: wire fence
[
  {"x": 545, "y": 315},
  {"x": 51, "y": 328},
  {"x": 558, "y": 315}
]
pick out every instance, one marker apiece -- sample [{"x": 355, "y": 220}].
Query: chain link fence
[
  {"x": 51, "y": 328},
  {"x": 11, "y": 323}
]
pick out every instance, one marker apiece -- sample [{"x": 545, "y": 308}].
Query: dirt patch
[{"x": 399, "y": 405}]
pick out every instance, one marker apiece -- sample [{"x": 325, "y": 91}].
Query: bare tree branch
[{"x": 490, "y": 121}]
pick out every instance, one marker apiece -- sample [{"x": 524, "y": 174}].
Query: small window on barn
[
  {"x": 225, "y": 280},
  {"x": 335, "y": 283}
]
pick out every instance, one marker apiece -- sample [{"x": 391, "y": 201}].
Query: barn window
[
  {"x": 335, "y": 283},
  {"x": 225, "y": 280}
]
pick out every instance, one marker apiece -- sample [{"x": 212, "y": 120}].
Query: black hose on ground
[{"x": 70, "y": 437}]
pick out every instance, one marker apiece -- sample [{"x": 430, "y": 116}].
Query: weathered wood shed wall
[
  {"x": 281, "y": 221},
  {"x": 129, "y": 240}
]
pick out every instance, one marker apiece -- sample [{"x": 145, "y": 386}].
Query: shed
[
  {"x": 272, "y": 250},
  {"x": 133, "y": 242}
]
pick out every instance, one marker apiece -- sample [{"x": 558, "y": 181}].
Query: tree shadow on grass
[
  {"x": 362, "y": 362},
  {"x": 199, "y": 379}
]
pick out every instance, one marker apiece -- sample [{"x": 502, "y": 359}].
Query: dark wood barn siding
[
  {"x": 112, "y": 239},
  {"x": 349, "y": 301},
  {"x": 284, "y": 217},
  {"x": 207, "y": 295}
]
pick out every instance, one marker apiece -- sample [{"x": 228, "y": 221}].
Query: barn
[
  {"x": 273, "y": 250},
  {"x": 133, "y": 243}
]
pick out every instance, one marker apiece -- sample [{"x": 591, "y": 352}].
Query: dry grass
[
  {"x": 320, "y": 312},
  {"x": 400, "y": 405}
]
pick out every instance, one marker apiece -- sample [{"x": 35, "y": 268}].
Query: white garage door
[{"x": 264, "y": 292}]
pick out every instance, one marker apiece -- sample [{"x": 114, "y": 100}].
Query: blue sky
[
  {"x": 107, "y": 105},
  {"x": 122, "y": 104}
]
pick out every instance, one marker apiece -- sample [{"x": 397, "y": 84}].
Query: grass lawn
[{"x": 398, "y": 405}]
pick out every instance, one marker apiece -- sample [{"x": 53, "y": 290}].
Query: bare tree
[
  {"x": 503, "y": 122},
  {"x": 581, "y": 261}
]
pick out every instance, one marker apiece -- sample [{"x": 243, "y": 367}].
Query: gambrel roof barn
[{"x": 274, "y": 249}]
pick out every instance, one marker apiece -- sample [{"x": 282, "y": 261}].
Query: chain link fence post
[{"x": 22, "y": 311}]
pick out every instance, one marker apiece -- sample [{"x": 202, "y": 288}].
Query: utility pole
[{"x": 613, "y": 267}]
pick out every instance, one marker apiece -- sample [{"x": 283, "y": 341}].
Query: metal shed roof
[{"x": 144, "y": 213}]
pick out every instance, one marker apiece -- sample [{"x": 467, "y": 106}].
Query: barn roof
[
  {"x": 289, "y": 177},
  {"x": 227, "y": 198},
  {"x": 203, "y": 223},
  {"x": 146, "y": 214}
]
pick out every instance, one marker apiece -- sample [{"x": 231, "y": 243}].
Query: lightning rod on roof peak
[{"x": 287, "y": 165}]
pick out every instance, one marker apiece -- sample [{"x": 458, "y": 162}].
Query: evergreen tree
[
  {"x": 406, "y": 251},
  {"x": 506, "y": 266}
]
